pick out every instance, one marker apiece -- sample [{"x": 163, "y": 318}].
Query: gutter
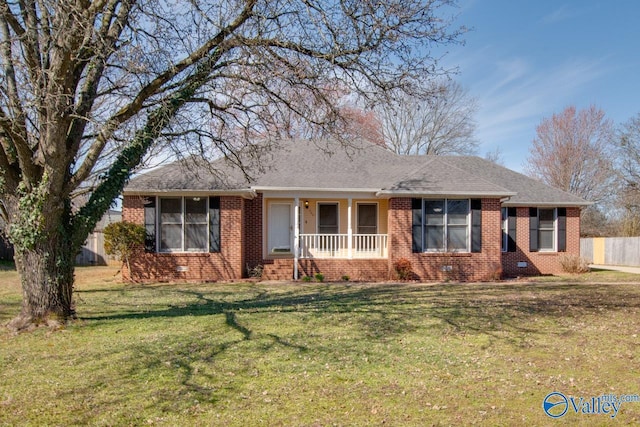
[
  {"x": 244, "y": 193},
  {"x": 427, "y": 194},
  {"x": 316, "y": 189},
  {"x": 548, "y": 204}
]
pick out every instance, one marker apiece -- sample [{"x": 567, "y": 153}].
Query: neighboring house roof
[
  {"x": 359, "y": 167},
  {"x": 109, "y": 217}
]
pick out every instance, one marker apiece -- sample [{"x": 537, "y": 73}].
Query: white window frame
[
  {"x": 554, "y": 230},
  {"x": 446, "y": 226},
  {"x": 183, "y": 224}
]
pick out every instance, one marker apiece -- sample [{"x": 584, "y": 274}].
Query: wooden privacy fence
[
  {"x": 93, "y": 252},
  {"x": 611, "y": 250}
]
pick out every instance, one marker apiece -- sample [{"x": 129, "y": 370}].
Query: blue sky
[{"x": 526, "y": 60}]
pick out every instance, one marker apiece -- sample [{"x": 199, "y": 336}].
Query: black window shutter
[
  {"x": 150, "y": 224},
  {"x": 476, "y": 225},
  {"x": 533, "y": 229},
  {"x": 511, "y": 229},
  {"x": 416, "y": 225},
  {"x": 562, "y": 229},
  {"x": 214, "y": 224}
]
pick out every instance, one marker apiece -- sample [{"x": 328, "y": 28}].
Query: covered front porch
[{"x": 308, "y": 227}]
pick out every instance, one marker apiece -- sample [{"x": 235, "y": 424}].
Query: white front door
[{"x": 280, "y": 228}]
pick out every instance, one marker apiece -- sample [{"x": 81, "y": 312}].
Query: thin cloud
[
  {"x": 519, "y": 92},
  {"x": 565, "y": 13},
  {"x": 561, "y": 14},
  {"x": 515, "y": 95}
]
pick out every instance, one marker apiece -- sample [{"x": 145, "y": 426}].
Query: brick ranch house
[{"x": 320, "y": 207}]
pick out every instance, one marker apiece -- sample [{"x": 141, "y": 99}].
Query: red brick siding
[
  {"x": 539, "y": 262},
  {"x": 226, "y": 265},
  {"x": 253, "y": 232},
  {"x": 242, "y": 236},
  {"x": 356, "y": 269},
  {"x": 463, "y": 266},
  {"x": 332, "y": 269}
]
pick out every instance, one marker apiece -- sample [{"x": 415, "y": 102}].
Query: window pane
[
  {"x": 434, "y": 237},
  {"x": 367, "y": 219},
  {"x": 196, "y": 237},
  {"x": 196, "y": 210},
  {"x": 150, "y": 225},
  {"x": 171, "y": 224},
  {"x": 171, "y": 211},
  {"x": 546, "y": 218},
  {"x": 328, "y": 218},
  {"x": 457, "y": 207},
  {"x": 546, "y": 239},
  {"x": 434, "y": 211},
  {"x": 171, "y": 237},
  {"x": 214, "y": 224},
  {"x": 457, "y": 212},
  {"x": 456, "y": 238}
]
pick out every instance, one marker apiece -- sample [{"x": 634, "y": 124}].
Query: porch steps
[{"x": 277, "y": 269}]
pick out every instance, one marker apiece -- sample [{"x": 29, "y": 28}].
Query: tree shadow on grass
[
  {"x": 391, "y": 309},
  {"x": 367, "y": 314}
]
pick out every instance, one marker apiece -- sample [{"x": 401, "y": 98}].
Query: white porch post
[
  {"x": 296, "y": 236},
  {"x": 349, "y": 230}
]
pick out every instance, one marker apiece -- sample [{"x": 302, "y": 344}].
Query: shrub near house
[{"x": 363, "y": 210}]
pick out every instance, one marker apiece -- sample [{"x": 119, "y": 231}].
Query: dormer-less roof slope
[
  {"x": 529, "y": 191},
  {"x": 330, "y": 166},
  {"x": 436, "y": 176}
]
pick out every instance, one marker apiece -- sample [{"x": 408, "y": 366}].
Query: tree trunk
[{"x": 46, "y": 269}]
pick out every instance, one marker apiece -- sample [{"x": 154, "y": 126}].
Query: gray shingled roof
[
  {"x": 529, "y": 191},
  {"x": 323, "y": 165}
]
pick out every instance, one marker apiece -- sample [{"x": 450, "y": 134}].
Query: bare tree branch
[
  {"x": 14, "y": 126},
  {"x": 90, "y": 89},
  {"x": 571, "y": 151},
  {"x": 440, "y": 122},
  {"x": 152, "y": 89}
]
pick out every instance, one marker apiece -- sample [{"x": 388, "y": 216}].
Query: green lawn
[{"x": 317, "y": 354}]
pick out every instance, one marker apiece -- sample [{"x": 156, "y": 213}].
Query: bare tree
[
  {"x": 362, "y": 124},
  {"x": 346, "y": 122},
  {"x": 572, "y": 151},
  {"x": 629, "y": 196},
  {"x": 495, "y": 156},
  {"x": 439, "y": 123},
  {"x": 88, "y": 88}
]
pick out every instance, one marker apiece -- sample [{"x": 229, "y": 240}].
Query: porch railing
[{"x": 337, "y": 246}]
